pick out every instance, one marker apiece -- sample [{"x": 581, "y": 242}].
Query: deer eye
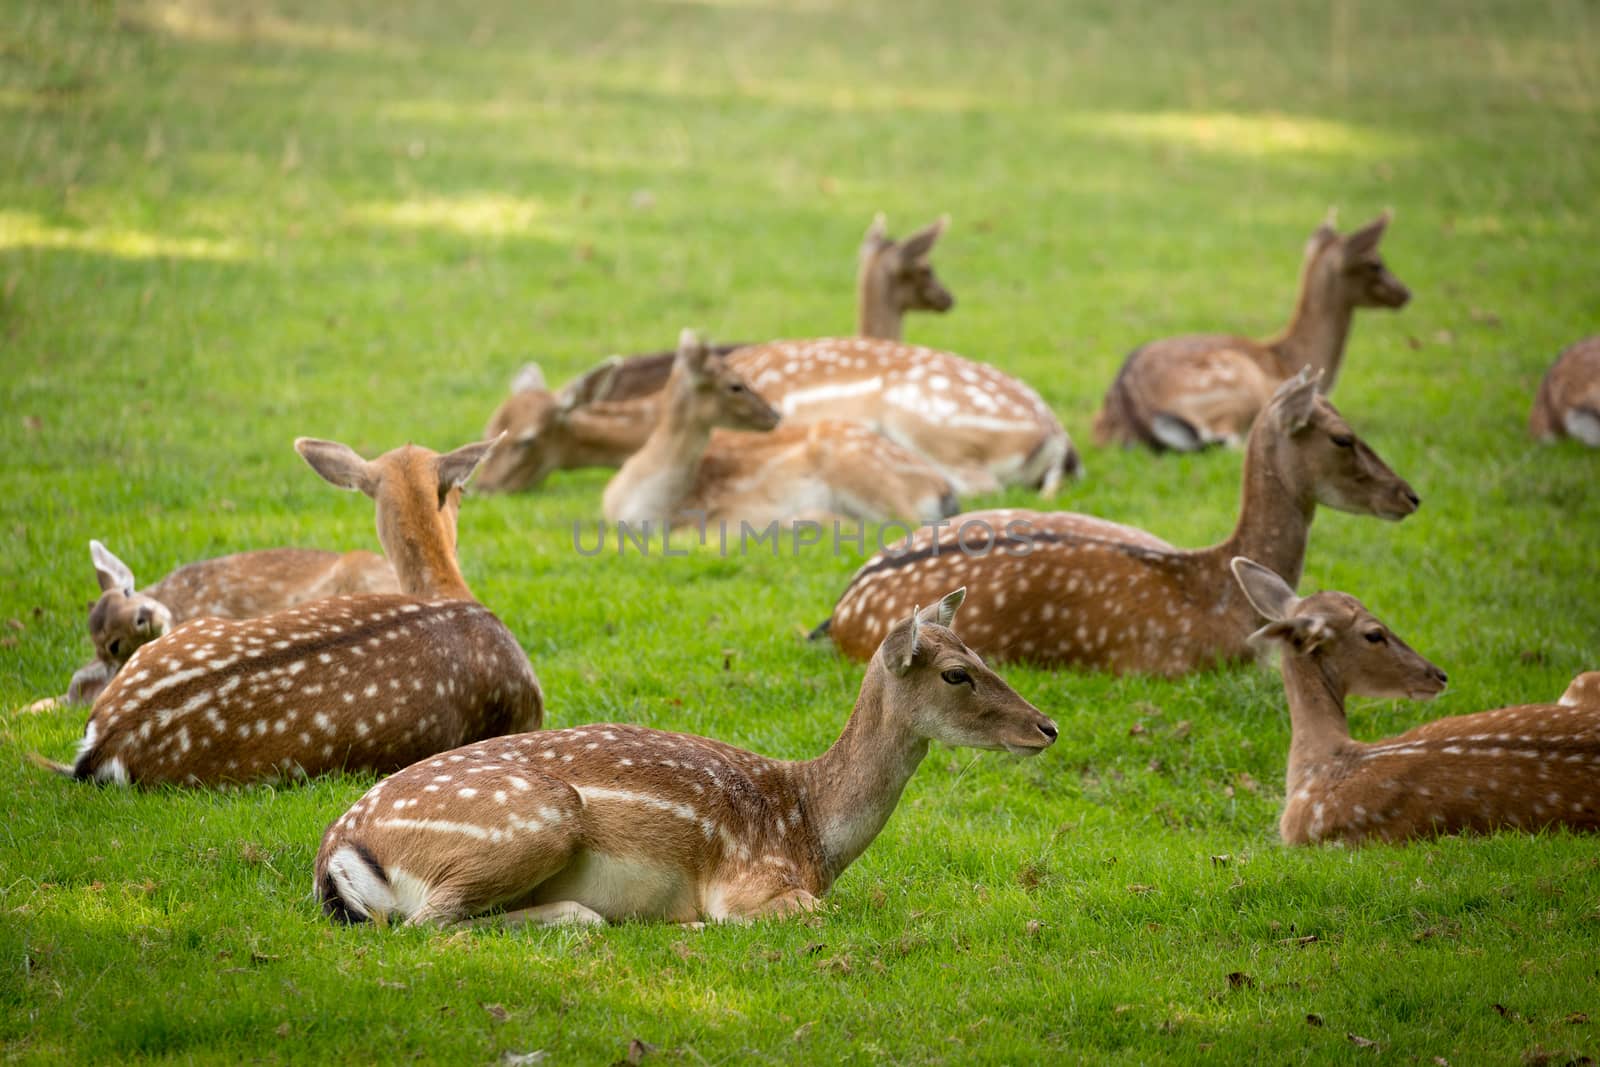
[
  {"x": 1374, "y": 637},
  {"x": 1343, "y": 440},
  {"x": 115, "y": 648},
  {"x": 957, "y": 676},
  {"x": 735, "y": 387}
]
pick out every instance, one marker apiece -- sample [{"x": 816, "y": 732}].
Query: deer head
[
  {"x": 1348, "y": 268},
  {"x": 896, "y": 277},
  {"x": 706, "y": 392},
  {"x": 1318, "y": 457},
  {"x": 948, "y": 692},
  {"x": 121, "y": 619},
  {"x": 418, "y": 494},
  {"x": 1352, "y": 648},
  {"x": 538, "y": 428}
]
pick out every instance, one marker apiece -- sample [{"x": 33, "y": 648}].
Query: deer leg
[
  {"x": 556, "y": 913},
  {"x": 785, "y": 904}
]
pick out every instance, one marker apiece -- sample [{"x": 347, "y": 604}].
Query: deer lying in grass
[
  {"x": 1568, "y": 404},
  {"x": 1185, "y": 393},
  {"x": 615, "y": 822},
  {"x": 1584, "y": 691},
  {"x": 240, "y": 586},
  {"x": 1065, "y": 589},
  {"x": 690, "y": 471},
  {"x": 1527, "y": 768},
  {"x": 369, "y": 682},
  {"x": 604, "y": 416}
]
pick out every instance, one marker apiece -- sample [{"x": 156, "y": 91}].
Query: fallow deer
[
  {"x": 1185, "y": 393},
  {"x": 1065, "y": 589},
  {"x": 372, "y": 682},
  {"x": 1528, "y": 768},
  {"x": 240, "y": 586},
  {"x": 1584, "y": 691},
  {"x": 604, "y": 416},
  {"x": 1568, "y": 404},
  {"x": 695, "y": 468},
  {"x": 613, "y": 822}
]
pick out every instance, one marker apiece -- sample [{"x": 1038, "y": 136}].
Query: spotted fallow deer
[
  {"x": 1066, "y": 589},
  {"x": 1584, "y": 691},
  {"x": 1185, "y": 393},
  {"x": 240, "y": 586},
  {"x": 371, "y": 682},
  {"x": 604, "y": 416},
  {"x": 1528, "y": 768},
  {"x": 697, "y": 468},
  {"x": 614, "y": 822},
  {"x": 1568, "y": 404}
]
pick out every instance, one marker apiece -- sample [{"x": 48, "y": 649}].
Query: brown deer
[
  {"x": 240, "y": 586},
  {"x": 1527, "y": 768},
  {"x": 1185, "y": 393},
  {"x": 695, "y": 469},
  {"x": 1584, "y": 691},
  {"x": 613, "y": 822},
  {"x": 371, "y": 682},
  {"x": 604, "y": 416},
  {"x": 1065, "y": 589},
  {"x": 1568, "y": 404}
]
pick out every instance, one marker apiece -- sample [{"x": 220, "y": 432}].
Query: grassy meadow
[{"x": 226, "y": 224}]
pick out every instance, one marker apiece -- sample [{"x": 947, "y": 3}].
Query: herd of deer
[{"x": 291, "y": 662}]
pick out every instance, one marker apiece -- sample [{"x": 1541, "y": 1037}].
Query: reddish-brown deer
[
  {"x": 604, "y": 416},
  {"x": 1065, "y": 589},
  {"x": 1568, "y": 404},
  {"x": 695, "y": 468},
  {"x": 1584, "y": 691},
  {"x": 371, "y": 682},
  {"x": 240, "y": 586},
  {"x": 1528, "y": 768},
  {"x": 1185, "y": 393},
  {"x": 615, "y": 822}
]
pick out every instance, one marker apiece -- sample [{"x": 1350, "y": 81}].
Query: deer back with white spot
[
  {"x": 1526, "y": 767},
  {"x": 618, "y": 821},
  {"x": 1568, "y": 401},
  {"x": 1065, "y": 589},
  {"x": 370, "y": 682},
  {"x": 240, "y": 586},
  {"x": 1584, "y": 691},
  {"x": 895, "y": 277},
  {"x": 1188, "y": 392}
]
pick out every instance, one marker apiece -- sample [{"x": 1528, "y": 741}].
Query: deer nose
[
  {"x": 1048, "y": 728},
  {"x": 141, "y": 619},
  {"x": 1443, "y": 677},
  {"x": 1411, "y": 495}
]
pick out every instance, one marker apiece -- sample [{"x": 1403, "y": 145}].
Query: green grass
[{"x": 224, "y": 225}]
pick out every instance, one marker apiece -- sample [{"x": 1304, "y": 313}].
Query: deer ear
[
  {"x": 877, "y": 234},
  {"x": 920, "y": 244},
  {"x": 899, "y": 648},
  {"x": 530, "y": 379},
  {"x": 338, "y": 464},
  {"x": 1296, "y": 401},
  {"x": 1364, "y": 242},
  {"x": 112, "y": 572},
  {"x": 944, "y": 612},
  {"x": 1303, "y": 633},
  {"x": 1267, "y": 592},
  {"x": 692, "y": 353},
  {"x": 456, "y": 467},
  {"x": 591, "y": 387}
]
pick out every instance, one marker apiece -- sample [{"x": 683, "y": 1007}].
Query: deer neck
[
  {"x": 660, "y": 476},
  {"x": 606, "y": 434},
  {"x": 1317, "y": 332},
  {"x": 1317, "y": 724},
  {"x": 423, "y": 553},
  {"x": 876, "y": 312},
  {"x": 1274, "y": 523},
  {"x": 853, "y": 788}
]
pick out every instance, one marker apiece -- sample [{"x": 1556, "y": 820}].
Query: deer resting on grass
[
  {"x": 371, "y": 682},
  {"x": 613, "y": 822},
  {"x": 1058, "y": 588},
  {"x": 1185, "y": 393},
  {"x": 1527, "y": 768},
  {"x": 1568, "y": 404}
]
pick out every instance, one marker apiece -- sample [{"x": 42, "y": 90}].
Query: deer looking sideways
[
  {"x": 371, "y": 682},
  {"x": 240, "y": 586},
  {"x": 691, "y": 471},
  {"x": 1528, "y": 767},
  {"x": 604, "y": 416},
  {"x": 1059, "y": 588},
  {"x": 1568, "y": 404},
  {"x": 1185, "y": 393},
  {"x": 614, "y": 822}
]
